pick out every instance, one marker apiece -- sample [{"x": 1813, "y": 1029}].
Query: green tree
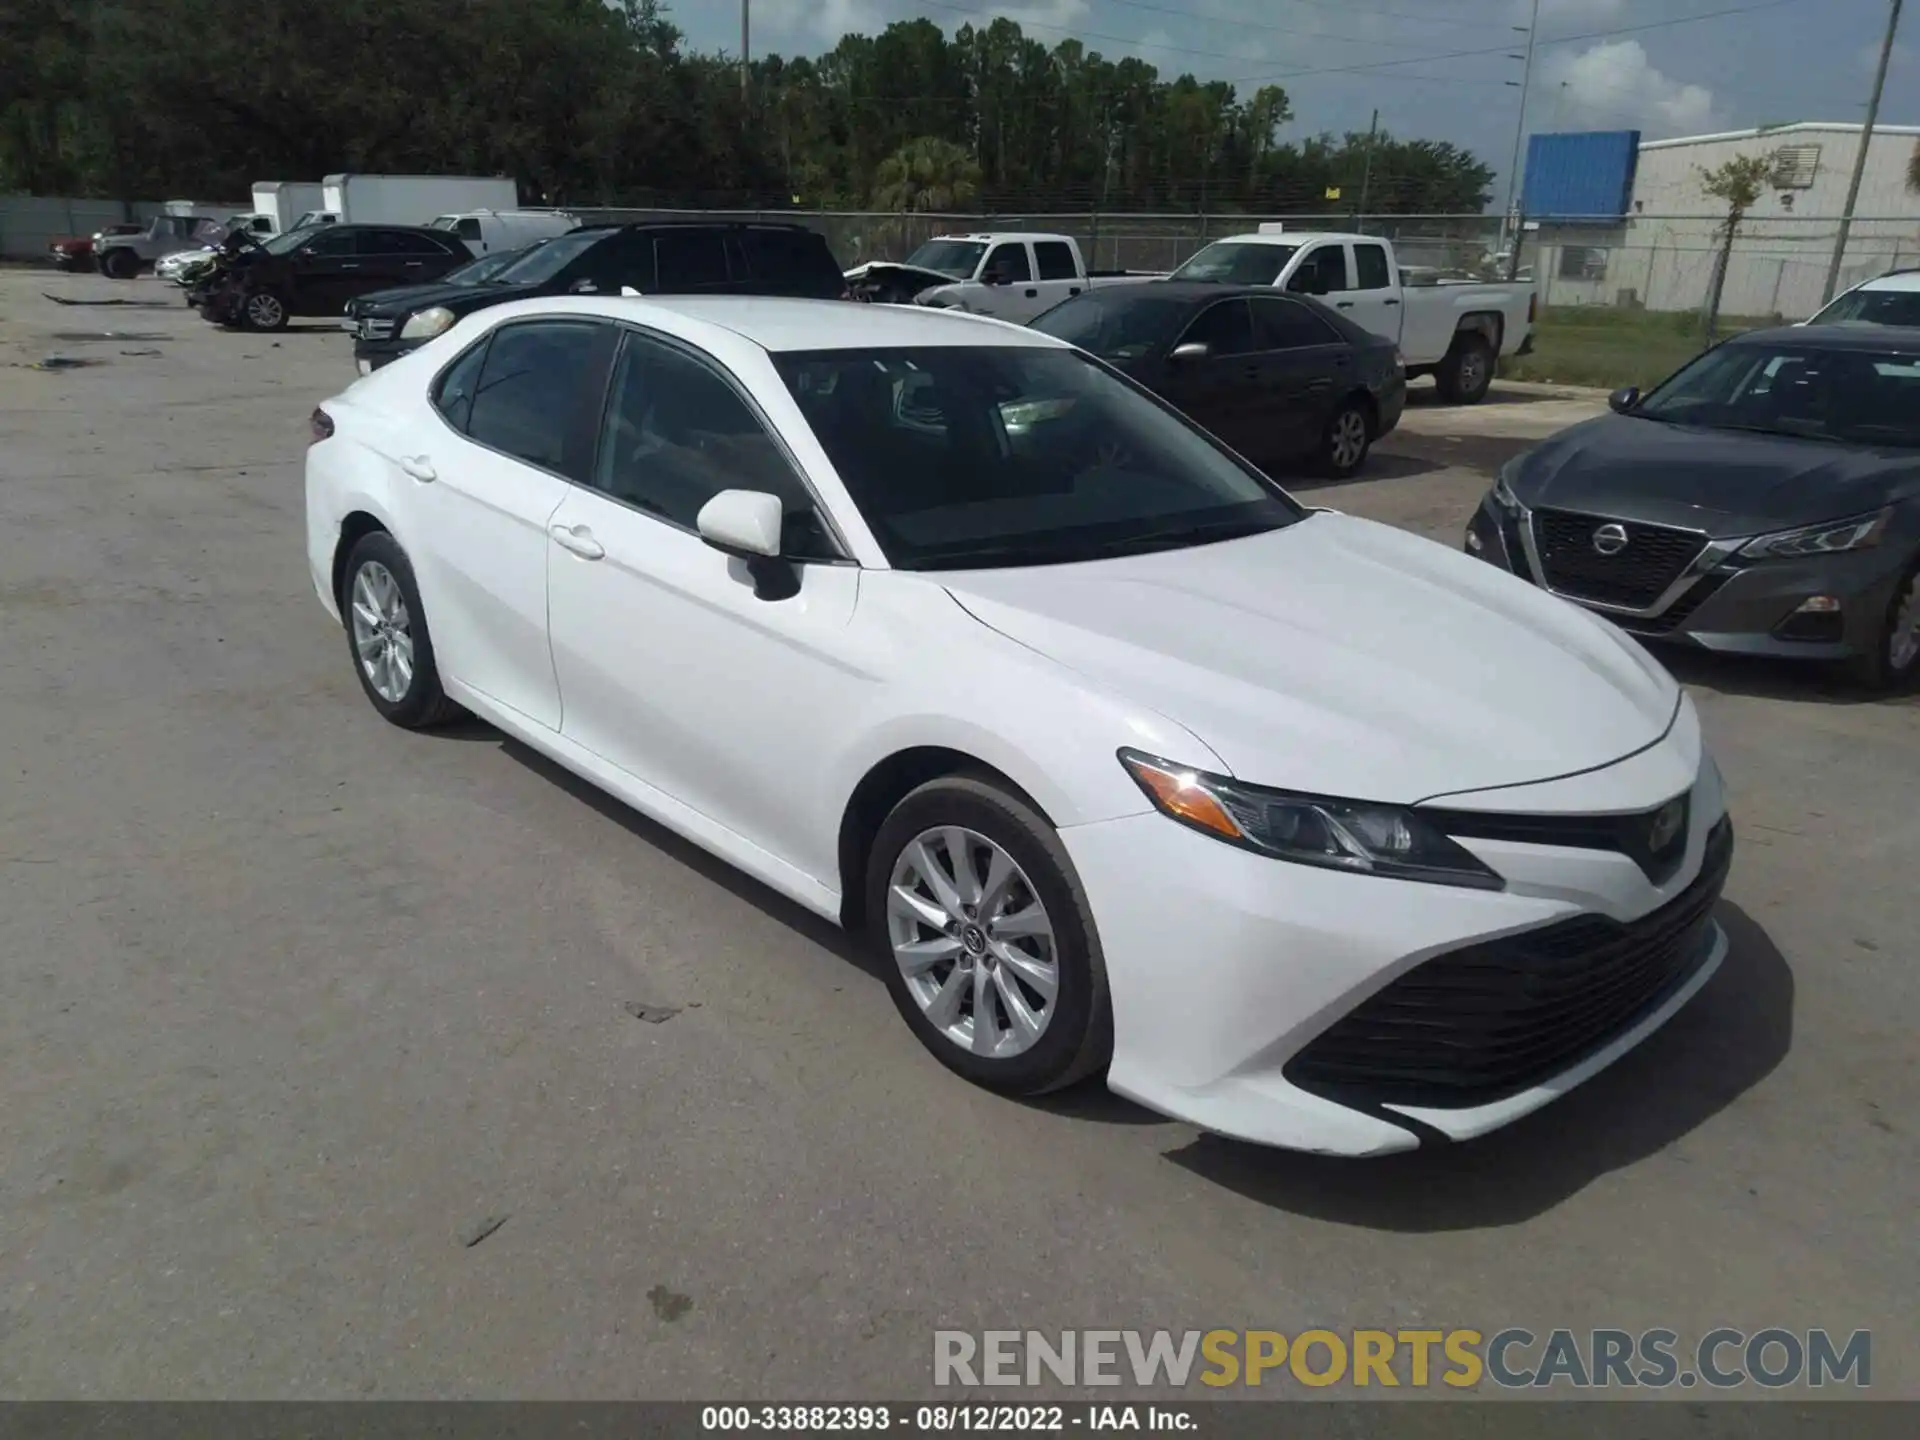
[
  {"x": 1913, "y": 169},
  {"x": 927, "y": 174},
  {"x": 1737, "y": 184}
]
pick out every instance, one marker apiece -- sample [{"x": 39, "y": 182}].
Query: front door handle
[
  {"x": 1389, "y": 302},
  {"x": 349, "y": 264},
  {"x": 1033, "y": 294},
  {"x": 578, "y": 539},
  {"x": 419, "y": 467},
  {"x": 1343, "y": 304}
]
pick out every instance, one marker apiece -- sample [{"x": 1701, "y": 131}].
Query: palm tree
[
  {"x": 926, "y": 174},
  {"x": 1913, "y": 169}
]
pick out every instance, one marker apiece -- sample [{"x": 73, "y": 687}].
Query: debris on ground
[
  {"x": 652, "y": 1014},
  {"x": 669, "y": 1305},
  {"x": 133, "y": 304},
  {"x": 59, "y": 362},
  {"x": 140, "y": 352},
  {"x": 481, "y": 1231}
]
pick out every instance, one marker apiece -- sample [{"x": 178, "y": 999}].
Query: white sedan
[{"x": 1289, "y": 824}]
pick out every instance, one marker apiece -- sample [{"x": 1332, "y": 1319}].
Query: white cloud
[
  {"x": 1047, "y": 16},
  {"x": 1614, "y": 84},
  {"x": 1565, "y": 14}
]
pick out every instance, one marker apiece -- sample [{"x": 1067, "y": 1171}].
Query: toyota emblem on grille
[
  {"x": 1665, "y": 826},
  {"x": 1610, "y": 539}
]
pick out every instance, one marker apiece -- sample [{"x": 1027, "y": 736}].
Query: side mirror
[
  {"x": 742, "y": 523},
  {"x": 582, "y": 287},
  {"x": 1625, "y": 398},
  {"x": 1191, "y": 350}
]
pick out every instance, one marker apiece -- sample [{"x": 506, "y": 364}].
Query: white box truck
[
  {"x": 414, "y": 199},
  {"x": 287, "y": 202}
]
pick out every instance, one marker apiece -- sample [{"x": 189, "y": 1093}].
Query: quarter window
[
  {"x": 453, "y": 394},
  {"x": 677, "y": 433},
  {"x": 531, "y": 387}
]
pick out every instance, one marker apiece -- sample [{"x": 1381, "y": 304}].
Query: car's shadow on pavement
[
  {"x": 1761, "y": 677},
  {"x": 1723, "y": 1043}
]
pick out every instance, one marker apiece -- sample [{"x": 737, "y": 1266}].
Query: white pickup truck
[
  {"x": 1010, "y": 275},
  {"x": 1453, "y": 330}
]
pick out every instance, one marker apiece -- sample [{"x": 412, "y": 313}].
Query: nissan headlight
[
  {"x": 1829, "y": 538},
  {"x": 1357, "y": 836},
  {"x": 425, "y": 324}
]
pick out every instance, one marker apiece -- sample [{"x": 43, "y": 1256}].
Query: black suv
[
  {"x": 318, "y": 269},
  {"x": 651, "y": 259}
]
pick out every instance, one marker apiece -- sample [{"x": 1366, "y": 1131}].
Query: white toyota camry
[{"x": 1292, "y": 825}]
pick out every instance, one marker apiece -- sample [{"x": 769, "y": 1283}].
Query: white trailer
[
  {"x": 414, "y": 199},
  {"x": 287, "y": 202}
]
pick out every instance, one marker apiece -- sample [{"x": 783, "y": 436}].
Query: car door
[
  {"x": 1305, "y": 367},
  {"x": 320, "y": 274},
  {"x": 1374, "y": 301},
  {"x": 1219, "y": 388},
  {"x": 518, "y": 413},
  {"x": 671, "y": 664},
  {"x": 1015, "y": 294}
]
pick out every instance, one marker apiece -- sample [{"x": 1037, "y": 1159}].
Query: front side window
[
  {"x": 1323, "y": 272},
  {"x": 528, "y": 398},
  {"x": 538, "y": 266},
  {"x": 1860, "y": 397},
  {"x": 689, "y": 260},
  {"x": 676, "y": 434},
  {"x": 1225, "y": 329},
  {"x": 1122, "y": 323},
  {"x": 958, "y": 258},
  {"x": 1009, "y": 265},
  {"x": 334, "y": 244},
  {"x": 1237, "y": 262},
  {"x": 974, "y": 457}
]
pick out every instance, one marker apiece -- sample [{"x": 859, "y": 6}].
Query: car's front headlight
[
  {"x": 428, "y": 323},
  {"x": 1828, "y": 538},
  {"x": 1353, "y": 835}
]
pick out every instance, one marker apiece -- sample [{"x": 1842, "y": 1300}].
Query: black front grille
[
  {"x": 1477, "y": 1025},
  {"x": 1634, "y": 576},
  {"x": 1678, "y": 613}
]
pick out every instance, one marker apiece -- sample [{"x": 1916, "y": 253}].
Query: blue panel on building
[{"x": 1587, "y": 176}]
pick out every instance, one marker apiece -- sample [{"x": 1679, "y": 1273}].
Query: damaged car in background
[{"x": 1010, "y": 275}]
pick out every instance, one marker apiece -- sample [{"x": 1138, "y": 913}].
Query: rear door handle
[
  {"x": 578, "y": 539},
  {"x": 1389, "y": 302},
  {"x": 349, "y": 264},
  {"x": 419, "y": 467},
  {"x": 1032, "y": 294},
  {"x": 1343, "y": 304}
]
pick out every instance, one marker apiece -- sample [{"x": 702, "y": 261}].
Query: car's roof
[
  {"x": 1895, "y": 280},
  {"x": 1286, "y": 237},
  {"x": 787, "y": 226},
  {"x": 781, "y": 324},
  {"x": 1194, "y": 291},
  {"x": 1901, "y": 339}
]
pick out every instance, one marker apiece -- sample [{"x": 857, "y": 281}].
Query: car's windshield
[
  {"x": 975, "y": 457},
  {"x": 1237, "y": 262},
  {"x": 957, "y": 258},
  {"x": 1113, "y": 325},
  {"x": 1872, "y": 307},
  {"x": 1861, "y": 397},
  {"x": 477, "y": 272},
  {"x": 538, "y": 266},
  {"x": 291, "y": 241}
]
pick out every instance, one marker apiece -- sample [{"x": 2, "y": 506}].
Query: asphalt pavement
[{"x": 320, "y": 1077}]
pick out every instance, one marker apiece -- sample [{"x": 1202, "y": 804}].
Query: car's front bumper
[
  {"x": 1824, "y": 607},
  {"x": 1224, "y": 966}
]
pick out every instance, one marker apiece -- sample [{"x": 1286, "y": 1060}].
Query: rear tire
[
  {"x": 387, "y": 635},
  {"x": 1893, "y": 664},
  {"x": 1349, "y": 435},
  {"x": 1011, "y": 967},
  {"x": 1466, "y": 375}
]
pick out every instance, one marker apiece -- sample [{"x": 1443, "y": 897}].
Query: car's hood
[
  {"x": 1724, "y": 482},
  {"x": 1343, "y": 657},
  {"x": 461, "y": 299}
]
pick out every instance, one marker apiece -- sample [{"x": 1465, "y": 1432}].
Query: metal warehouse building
[{"x": 1614, "y": 220}]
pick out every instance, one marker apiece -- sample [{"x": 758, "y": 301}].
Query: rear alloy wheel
[
  {"x": 264, "y": 310},
  {"x": 1894, "y": 663},
  {"x": 1343, "y": 450},
  {"x": 1466, "y": 374},
  {"x": 984, "y": 934},
  {"x": 387, "y": 630}
]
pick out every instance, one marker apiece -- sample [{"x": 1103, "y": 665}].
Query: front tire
[
  {"x": 1466, "y": 375},
  {"x": 263, "y": 310},
  {"x": 388, "y": 638},
  {"x": 986, "y": 939},
  {"x": 120, "y": 264},
  {"x": 1343, "y": 448},
  {"x": 1894, "y": 662}
]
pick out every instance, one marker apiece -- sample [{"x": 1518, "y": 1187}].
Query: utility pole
[
  {"x": 1860, "y": 160},
  {"x": 1366, "y": 171},
  {"x": 1520, "y": 127},
  {"x": 746, "y": 75}
]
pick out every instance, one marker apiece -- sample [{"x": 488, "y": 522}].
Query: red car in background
[{"x": 75, "y": 252}]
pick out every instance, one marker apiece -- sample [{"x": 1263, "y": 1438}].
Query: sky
[{"x": 1767, "y": 63}]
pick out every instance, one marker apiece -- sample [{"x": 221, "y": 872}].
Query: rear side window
[
  {"x": 398, "y": 242},
  {"x": 1370, "y": 261},
  {"x": 689, "y": 260},
  {"x": 1055, "y": 259},
  {"x": 453, "y": 392},
  {"x": 788, "y": 262},
  {"x": 531, "y": 388},
  {"x": 1284, "y": 325},
  {"x": 1009, "y": 262},
  {"x": 467, "y": 229}
]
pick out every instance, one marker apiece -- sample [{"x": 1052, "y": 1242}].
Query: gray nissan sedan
[{"x": 1763, "y": 500}]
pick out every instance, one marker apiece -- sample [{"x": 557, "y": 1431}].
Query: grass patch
[{"x": 1597, "y": 345}]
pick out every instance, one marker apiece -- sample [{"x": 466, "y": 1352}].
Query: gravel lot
[{"x": 293, "y": 1005}]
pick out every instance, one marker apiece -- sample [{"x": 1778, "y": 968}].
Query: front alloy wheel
[
  {"x": 264, "y": 310},
  {"x": 973, "y": 942}
]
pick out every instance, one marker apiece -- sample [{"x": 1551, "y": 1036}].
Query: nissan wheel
[{"x": 263, "y": 310}]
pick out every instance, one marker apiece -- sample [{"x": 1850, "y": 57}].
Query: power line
[
  {"x": 1190, "y": 15},
  {"x": 1663, "y": 24}
]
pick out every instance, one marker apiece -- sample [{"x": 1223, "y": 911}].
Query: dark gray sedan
[{"x": 1764, "y": 500}]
